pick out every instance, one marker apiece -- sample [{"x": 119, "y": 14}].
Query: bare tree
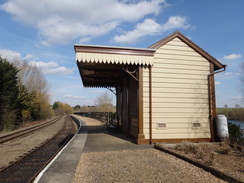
[
  {"x": 33, "y": 82},
  {"x": 104, "y": 103},
  {"x": 32, "y": 77},
  {"x": 84, "y": 108},
  {"x": 237, "y": 106}
]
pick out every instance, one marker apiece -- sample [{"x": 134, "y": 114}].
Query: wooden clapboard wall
[{"x": 179, "y": 93}]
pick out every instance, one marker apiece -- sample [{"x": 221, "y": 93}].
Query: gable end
[{"x": 177, "y": 34}]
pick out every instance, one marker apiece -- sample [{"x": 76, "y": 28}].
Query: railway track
[
  {"x": 21, "y": 133},
  {"x": 27, "y": 168}
]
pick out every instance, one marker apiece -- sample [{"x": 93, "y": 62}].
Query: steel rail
[
  {"x": 29, "y": 166},
  {"x": 26, "y": 131}
]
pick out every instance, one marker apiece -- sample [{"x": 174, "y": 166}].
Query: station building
[{"x": 164, "y": 93}]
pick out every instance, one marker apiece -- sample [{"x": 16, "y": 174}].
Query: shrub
[
  {"x": 26, "y": 117},
  {"x": 7, "y": 119},
  {"x": 232, "y": 113},
  {"x": 235, "y": 133},
  {"x": 187, "y": 147}
]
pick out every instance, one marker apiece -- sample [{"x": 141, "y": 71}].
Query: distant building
[{"x": 165, "y": 93}]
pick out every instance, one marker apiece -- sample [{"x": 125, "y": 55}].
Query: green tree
[
  {"x": 55, "y": 105},
  {"x": 23, "y": 94},
  {"x": 68, "y": 109},
  {"x": 62, "y": 108},
  {"x": 77, "y": 107},
  {"x": 8, "y": 95}
]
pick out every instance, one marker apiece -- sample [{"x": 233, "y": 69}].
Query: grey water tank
[{"x": 222, "y": 126}]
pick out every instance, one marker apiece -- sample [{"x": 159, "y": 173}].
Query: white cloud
[
  {"x": 44, "y": 65},
  {"x": 217, "y": 83},
  {"x": 232, "y": 56},
  {"x": 176, "y": 22},
  {"x": 148, "y": 27},
  {"x": 59, "y": 32},
  {"x": 62, "y": 21},
  {"x": 228, "y": 73},
  {"x": 73, "y": 97},
  {"x": 236, "y": 98},
  {"x": 52, "y": 68},
  {"x": 27, "y": 57},
  {"x": 97, "y": 91},
  {"x": 59, "y": 71},
  {"x": 10, "y": 55},
  {"x": 85, "y": 39},
  {"x": 151, "y": 27}
]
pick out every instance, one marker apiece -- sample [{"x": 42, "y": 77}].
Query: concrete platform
[
  {"x": 92, "y": 137},
  {"x": 62, "y": 168}
]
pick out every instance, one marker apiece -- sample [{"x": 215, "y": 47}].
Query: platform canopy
[{"x": 103, "y": 66}]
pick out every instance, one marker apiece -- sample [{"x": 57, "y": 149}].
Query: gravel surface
[
  {"x": 12, "y": 150},
  {"x": 141, "y": 165},
  {"x": 26, "y": 126},
  {"x": 106, "y": 162}
]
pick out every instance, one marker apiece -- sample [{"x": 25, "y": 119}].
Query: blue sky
[{"x": 43, "y": 33}]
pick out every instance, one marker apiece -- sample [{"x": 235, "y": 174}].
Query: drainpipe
[
  {"x": 150, "y": 104},
  {"x": 218, "y": 71},
  {"x": 210, "y": 101}
]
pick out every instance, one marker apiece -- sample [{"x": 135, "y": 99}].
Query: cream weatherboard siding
[
  {"x": 146, "y": 120},
  {"x": 179, "y": 93}
]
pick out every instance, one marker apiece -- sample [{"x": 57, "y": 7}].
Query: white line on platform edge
[{"x": 54, "y": 159}]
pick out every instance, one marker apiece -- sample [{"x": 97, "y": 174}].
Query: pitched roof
[
  {"x": 177, "y": 34},
  {"x": 103, "y": 66}
]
